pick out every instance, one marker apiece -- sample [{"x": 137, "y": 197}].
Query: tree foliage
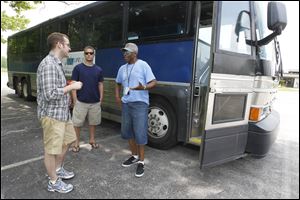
[{"x": 18, "y": 21}]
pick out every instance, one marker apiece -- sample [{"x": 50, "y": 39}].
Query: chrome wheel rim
[{"x": 158, "y": 122}]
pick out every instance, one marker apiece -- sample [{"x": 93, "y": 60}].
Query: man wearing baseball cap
[{"x": 136, "y": 78}]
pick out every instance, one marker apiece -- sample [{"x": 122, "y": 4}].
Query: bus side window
[
  {"x": 152, "y": 19},
  {"x": 74, "y": 27},
  {"x": 12, "y": 46},
  {"x": 46, "y": 31},
  {"x": 33, "y": 42},
  {"x": 104, "y": 25}
]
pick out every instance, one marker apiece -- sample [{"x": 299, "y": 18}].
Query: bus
[{"x": 217, "y": 64}]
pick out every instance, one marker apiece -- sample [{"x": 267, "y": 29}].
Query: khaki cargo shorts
[
  {"x": 57, "y": 134},
  {"x": 81, "y": 110}
]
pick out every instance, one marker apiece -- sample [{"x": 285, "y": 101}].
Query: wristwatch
[{"x": 145, "y": 87}]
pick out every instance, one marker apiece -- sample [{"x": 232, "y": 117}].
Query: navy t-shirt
[{"x": 90, "y": 76}]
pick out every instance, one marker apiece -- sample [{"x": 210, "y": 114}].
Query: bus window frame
[
  {"x": 166, "y": 38},
  {"x": 218, "y": 29}
]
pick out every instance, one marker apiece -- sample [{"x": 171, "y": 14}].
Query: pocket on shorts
[
  {"x": 79, "y": 114},
  {"x": 94, "y": 114}
]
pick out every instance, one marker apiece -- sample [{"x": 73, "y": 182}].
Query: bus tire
[
  {"x": 26, "y": 91},
  {"x": 18, "y": 87},
  {"x": 162, "y": 124}
]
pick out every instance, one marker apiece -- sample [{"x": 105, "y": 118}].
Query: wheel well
[
  {"x": 157, "y": 96},
  {"x": 23, "y": 78},
  {"x": 16, "y": 79}
]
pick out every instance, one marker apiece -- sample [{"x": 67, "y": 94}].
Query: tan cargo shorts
[
  {"x": 81, "y": 110},
  {"x": 57, "y": 134}
]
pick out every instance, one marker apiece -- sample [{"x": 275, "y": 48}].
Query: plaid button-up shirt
[{"x": 52, "y": 102}]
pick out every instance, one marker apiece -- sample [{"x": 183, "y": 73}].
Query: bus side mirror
[
  {"x": 277, "y": 19},
  {"x": 242, "y": 23}
]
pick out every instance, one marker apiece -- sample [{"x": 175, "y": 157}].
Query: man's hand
[
  {"x": 76, "y": 85},
  {"x": 118, "y": 101},
  {"x": 139, "y": 87}
]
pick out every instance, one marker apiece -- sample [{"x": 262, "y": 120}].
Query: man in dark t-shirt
[{"x": 87, "y": 101}]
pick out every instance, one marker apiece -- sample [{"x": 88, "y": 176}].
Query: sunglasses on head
[{"x": 86, "y": 53}]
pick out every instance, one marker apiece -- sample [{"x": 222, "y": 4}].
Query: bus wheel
[
  {"x": 161, "y": 124},
  {"x": 26, "y": 92},
  {"x": 18, "y": 88}
]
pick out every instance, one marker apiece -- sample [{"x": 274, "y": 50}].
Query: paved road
[{"x": 172, "y": 173}]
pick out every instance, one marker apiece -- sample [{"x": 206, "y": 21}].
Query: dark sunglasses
[
  {"x": 125, "y": 53},
  {"x": 91, "y": 53}
]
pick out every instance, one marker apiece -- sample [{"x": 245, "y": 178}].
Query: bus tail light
[{"x": 255, "y": 114}]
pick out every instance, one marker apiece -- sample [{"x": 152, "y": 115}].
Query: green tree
[{"x": 18, "y": 21}]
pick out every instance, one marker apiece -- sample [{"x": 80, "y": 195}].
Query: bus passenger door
[
  {"x": 201, "y": 71},
  {"x": 231, "y": 79}
]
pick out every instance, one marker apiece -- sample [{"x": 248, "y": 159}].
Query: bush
[{"x": 282, "y": 83}]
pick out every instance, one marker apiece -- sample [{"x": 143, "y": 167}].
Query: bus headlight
[{"x": 259, "y": 113}]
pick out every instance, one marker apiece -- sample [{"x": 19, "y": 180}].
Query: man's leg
[
  {"x": 134, "y": 152},
  {"x": 140, "y": 127},
  {"x": 141, "y": 151},
  {"x": 69, "y": 138},
  {"x": 80, "y": 111},
  {"x": 92, "y": 134},
  {"x": 51, "y": 136},
  {"x": 59, "y": 159},
  {"x": 50, "y": 165},
  {"x": 53, "y": 140},
  {"x": 127, "y": 133},
  {"x": 94, "y": 118},
  {"x": 77, "y": 130},
  {"x": 140, "y": 165},
  {"x": 133, "y": 147}
]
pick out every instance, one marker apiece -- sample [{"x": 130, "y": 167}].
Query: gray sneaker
[
  {"x": 64, "y": 174},
  {"x": 59, "y": 186}
]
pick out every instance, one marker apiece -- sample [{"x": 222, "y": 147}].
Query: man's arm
[
  {"x": 151, "y": 84},
  {"x": 49, "y": 84},
  {"x": 75, "y": 85},
  {"x": 74, "y": 96},
  {"x": 101, "y": 91},
  {"x": 148, "y": 86},
  {"x": 117, "y": 93}
]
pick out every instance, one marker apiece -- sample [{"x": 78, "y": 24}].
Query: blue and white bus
[{"x": 217, "y": 64}]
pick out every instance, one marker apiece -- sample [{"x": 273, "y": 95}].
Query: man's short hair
[
  {"x": 54, "y": 38},
  {"x": 89, "y": 47}
]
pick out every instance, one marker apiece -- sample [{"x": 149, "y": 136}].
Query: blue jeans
[{"x": 135, "y": 122}]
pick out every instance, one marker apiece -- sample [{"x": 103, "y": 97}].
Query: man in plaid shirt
[{"x": 53, "y": 111}]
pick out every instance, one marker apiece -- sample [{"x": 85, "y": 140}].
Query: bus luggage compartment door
[{"x": 226, "y": 128}]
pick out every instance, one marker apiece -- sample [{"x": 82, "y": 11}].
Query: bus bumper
[{"x": 262, "y": 134}]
